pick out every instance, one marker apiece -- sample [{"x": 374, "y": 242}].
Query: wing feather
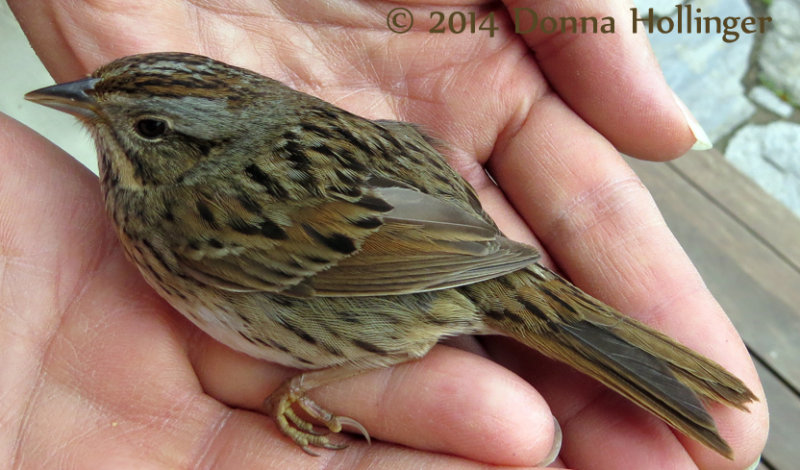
[{"x": 391, "y": 240}]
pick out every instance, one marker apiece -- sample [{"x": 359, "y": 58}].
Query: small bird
[{"x": 299, "y": 233}]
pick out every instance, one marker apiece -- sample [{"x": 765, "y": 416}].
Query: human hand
[{"x": 562, "y": 178}]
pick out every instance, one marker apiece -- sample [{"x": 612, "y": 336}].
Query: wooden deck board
[
  {"x": 747, "y": 247},
  {"x": 744, "y": 201},
  {"x": 781, "y": 451}
]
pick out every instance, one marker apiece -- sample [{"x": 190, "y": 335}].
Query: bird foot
[{"x": 280, "y": 405}]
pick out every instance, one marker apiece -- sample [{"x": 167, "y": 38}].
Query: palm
[{"x": 118, "y": 371}]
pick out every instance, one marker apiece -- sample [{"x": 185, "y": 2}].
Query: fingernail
[
  {"x": 755, "y": 464},
  {"x": 702, "y": 142},
  {"x": 558, "y": 437}
]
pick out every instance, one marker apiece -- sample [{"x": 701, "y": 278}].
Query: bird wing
[{"x": 388, "y": 240}]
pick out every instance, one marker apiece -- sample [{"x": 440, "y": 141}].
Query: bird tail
[{"x": 549, "y": 314}]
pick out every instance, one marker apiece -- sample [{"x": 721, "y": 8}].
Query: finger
[
  {"x": 67, "y": 349},
  {"x": 610, "y": 79},
  {"x": 47, "y": 242},
  {"x": 74, "y": 38},
  {"x": 449, "y": 402},
  {"x": 258, "y": 447},
  {"x": 61, "y": 49},
  {"x": 29, "y": 312},
  {"x": 601, "y": 226}
]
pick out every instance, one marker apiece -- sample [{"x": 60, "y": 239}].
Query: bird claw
[{"x": 280, "y": 406}]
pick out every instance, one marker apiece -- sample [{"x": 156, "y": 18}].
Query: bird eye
[{"x": 151, "y": 128}]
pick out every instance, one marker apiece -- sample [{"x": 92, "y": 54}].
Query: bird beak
[{"x": 73, "y": 97}]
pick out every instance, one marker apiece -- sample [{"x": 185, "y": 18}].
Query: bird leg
[{"x": 293, "y": 391}]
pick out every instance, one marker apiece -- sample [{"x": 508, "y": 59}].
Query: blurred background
[{"x": 21, "y": 72}]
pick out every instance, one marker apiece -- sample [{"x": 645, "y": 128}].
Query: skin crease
[{"x": 98, "y": 347}]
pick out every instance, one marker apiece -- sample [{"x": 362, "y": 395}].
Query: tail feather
[
  {"x": 645, "y": 380},
  {"x": 702, "y": 375},
  {"x": 547, "y": 313}
]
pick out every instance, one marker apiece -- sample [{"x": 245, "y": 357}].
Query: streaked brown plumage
[{"x": 302, "y": 234}]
